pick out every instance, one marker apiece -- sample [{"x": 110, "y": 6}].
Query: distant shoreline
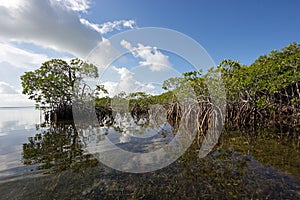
[{"x": 16, "y": 107}]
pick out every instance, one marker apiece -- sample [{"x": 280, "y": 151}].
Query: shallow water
[
  {"x": 63, "y": 168},
  {"x": 16, "y": 125}
]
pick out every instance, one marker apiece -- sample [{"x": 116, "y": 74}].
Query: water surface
[
  {"x": 58, "y": 165},
  {"x": 16, "y": 125}
]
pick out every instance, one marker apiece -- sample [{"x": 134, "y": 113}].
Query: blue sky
[
  {"x": 33, "y": 31},
  {"x": 237, "y": 29}
]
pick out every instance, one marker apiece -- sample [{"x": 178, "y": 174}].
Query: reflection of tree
[
  {"x": 58, "y": 148},
  {"x": 139, "y": 112}
]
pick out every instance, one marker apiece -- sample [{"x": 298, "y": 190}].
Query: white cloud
[
  {"x": 11, "y": 3},
  {"x": 103, "y": 55},
  {"x": 150, "y": 56},
  {"x": 25, "y": 59},
  {"x": 129, "y": 24},
  {"x": 50, "y": 24},
  {"x": 5, "y": 88},
  {"x": 110, "y": 86},
  {"x": 118, "y": 25},
  {"x": 127, "y": 45},
  {"x": 15, "y": 61},
  {"x": 10, "y": 97},
  {"x": 11, "y": 74},
  {"x": 110, "y": 26},
  {"x": 126, "y": 82},
  {"x": 129, "y": 84},
  {"x": 123, "y": 72},
  {"x": 90, "y": 24},
  {"x": 15, "y": 100},
  {"x": 76, "y": 5}
]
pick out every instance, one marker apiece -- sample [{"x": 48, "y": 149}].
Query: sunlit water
[
  {"x": 16, "y": 125},
  {"x": 234, "y": 169}
]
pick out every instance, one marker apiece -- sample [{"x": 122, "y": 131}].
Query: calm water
[
  {"x": 58, "y": 165},
  {"x": 16, "y": 125}
]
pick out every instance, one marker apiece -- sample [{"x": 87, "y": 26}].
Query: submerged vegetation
[
  {"x": 223, "y": 174},
  {"x": 261, "y": 116}
]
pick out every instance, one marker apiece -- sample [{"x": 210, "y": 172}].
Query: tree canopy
[
  {"x": 53, "y": 84},
  {"x": 263, "y": 94}
]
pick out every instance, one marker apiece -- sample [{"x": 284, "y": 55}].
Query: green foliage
[
  {"x": 140, "y": 98},
  {"x": 103, "y": 101},
  {"x": 235, "y": 78},
  {"x": 190, "y": 86},
  {"x": 275, "y": 73},
  {"x": 53, "y": 84},
  {"x": 165, "y": 97},
  {"x": 256, "y": 95},
  {"x": 262, "y": 93}
]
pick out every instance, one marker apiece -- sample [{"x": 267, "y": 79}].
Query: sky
[{"x": 34, "y": 31}]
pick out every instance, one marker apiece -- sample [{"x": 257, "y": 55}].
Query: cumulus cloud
[
  {"x": 15, "y": 61},
  {"x": 49, "y": 23},
  {"x": 11, "y": 3},
  {"x": 9, "y": 97},
  {"x": 150, "y": 56},
  {"x": 25, "y": 59},
  {"x": 118, "y": 25},
  {"x": 11, "y": 74},
  {"x": 126, "y": 82},
  {"x": 110, "y": 26},
  {"x": 76, "y": 5},
  {"x": 103, "y": 55},
  {"x": 5, "y": 88},
  {"x": 54, "y": 24}
]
